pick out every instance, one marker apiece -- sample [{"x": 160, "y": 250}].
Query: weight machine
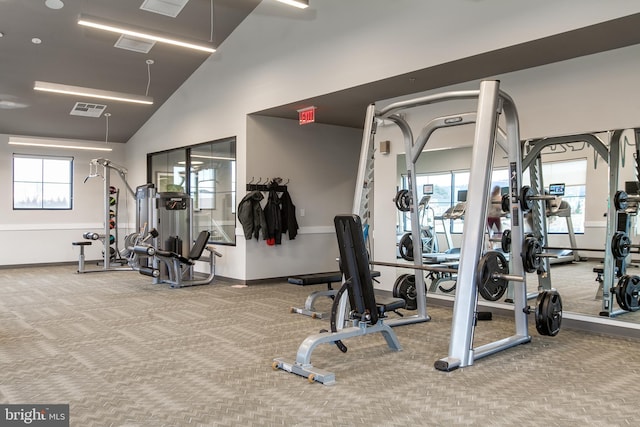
[
  {"x": 491, "y": 273},
  {"x": 111, "y": 254}
]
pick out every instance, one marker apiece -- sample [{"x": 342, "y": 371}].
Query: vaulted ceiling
[{"x": 74, "y": 55}]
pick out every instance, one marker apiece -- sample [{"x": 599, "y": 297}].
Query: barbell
[
  {"x": 532, "y": 250},
  {"x": 492, "y": 280},
  {"x": 527, "y": 198}
]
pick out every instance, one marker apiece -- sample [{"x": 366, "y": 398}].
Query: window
[
  {"x": 210, "y": 181},
  {"x": 42, "y": 182},
  {"x": 450, "y": 187},
  {"x": 572, "y": 173}
]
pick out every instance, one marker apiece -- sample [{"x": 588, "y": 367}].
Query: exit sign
[{"x": 307, "y": 115}]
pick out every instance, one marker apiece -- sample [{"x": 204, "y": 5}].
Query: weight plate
[
  {"x": 628, "y": 293},
  {"x": 548, "y": 313},
  {"x": 531, "y": 251},
  {"x": 621, "y": 200},
  {"x": 525, "y": 198},
  {"x": 407, "y": 291},
  {"x": 490, "y": 287},
  {"x": 396, "y": 285},
  {"x": 403, "y": 200},
  {"x": 505, "y": 241},
  {"x": 620, "y": 245},
  {"x": 405, "y": 247},
  {"x": 506, "y": 203}
]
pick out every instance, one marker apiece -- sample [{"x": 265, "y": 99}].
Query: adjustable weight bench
[{"x": 366, "y": 313}]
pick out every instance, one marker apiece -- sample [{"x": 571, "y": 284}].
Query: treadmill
[{"x": 561, "y": 209}]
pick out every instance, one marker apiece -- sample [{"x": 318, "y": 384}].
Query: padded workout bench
[
  {"x": 599, "y": 270},
  {"x": 81, "y": 257},
  {"x": 317, "y": 279},
  {"x": 366, "y": 312}
]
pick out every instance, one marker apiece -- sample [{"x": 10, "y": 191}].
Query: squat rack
[{"x": 491, "y": 103}]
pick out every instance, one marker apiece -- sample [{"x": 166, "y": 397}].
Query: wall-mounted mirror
[{"x": 576, "y": 219}]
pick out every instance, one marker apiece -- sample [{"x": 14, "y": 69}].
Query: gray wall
[{"x": 318, "y": 160}]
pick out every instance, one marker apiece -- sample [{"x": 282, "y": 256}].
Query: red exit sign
[{"x": 307, "y": 115}]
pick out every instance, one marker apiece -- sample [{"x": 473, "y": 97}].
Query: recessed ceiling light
[
  {"x": 54, "y": 4},
  {"x": 36, "y": 40}
]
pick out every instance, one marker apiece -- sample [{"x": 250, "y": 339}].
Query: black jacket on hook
[
  {"x": 288, "y": 214},
  {"x": 251, "y": 215},
  {"x": 274, "y": 219}
]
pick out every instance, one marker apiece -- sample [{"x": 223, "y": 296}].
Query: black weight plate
[
  {"x": 549, "y": 313},
  {"x": 396, "y": 285},
  {"x": 620, "y": 200},
  {"x": 403, "y": 200},
  {"x": 406, "y": 247},
  {"x": 506, "y": 203},
  {"x": 531, "y": 250},
  {"x": 620, "y": 245},
  {"x": 525, "y": 198},
  {"x": 628, "y": 293},
  {"x": 542, "y": 296},
  {"x": 490, "y": 287},
  {"x": 632, "y": 293},
  {"x": 620, "y": 290},
  {"x": 505, "y": 241},
  {"x": 407, "y": 291}
]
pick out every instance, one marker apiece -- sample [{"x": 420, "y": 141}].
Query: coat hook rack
[{"x": 268, "y": 184}]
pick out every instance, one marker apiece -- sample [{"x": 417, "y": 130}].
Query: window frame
[
  {"x": 42, "y": 182},
  {"x": 187, "y": 164}
]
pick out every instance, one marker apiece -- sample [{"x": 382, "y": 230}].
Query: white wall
[
  {"x": 45, "y": 236},
  {"x": 597, "y": 92},
  {"x": 280, "y": 55}
]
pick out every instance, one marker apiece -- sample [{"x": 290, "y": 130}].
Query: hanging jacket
[
  {"x": 289, "y": 222},
  {"x": 273, "y": 217},
  {"x": 251, "y": 215}
]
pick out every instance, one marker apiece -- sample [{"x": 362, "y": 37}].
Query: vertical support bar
[
  {"x": 609, "y": 262},
  {"x": 539, "y": 219},
  {"x": 416, "y": 232},
  {"x": 105, "y": 243},
  {"x": 361, "y": 206},
  {"x": 517, "y": 221},
  {"x": 463, "y": 323}
]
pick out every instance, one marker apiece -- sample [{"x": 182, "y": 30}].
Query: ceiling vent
[
  {"x": 87, "y": 110},
  {"x": 135, "y": 44},
  {"x": 164, "y": 7}
]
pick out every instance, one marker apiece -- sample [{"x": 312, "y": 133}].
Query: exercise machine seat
[{"x": 196, "y": 250}]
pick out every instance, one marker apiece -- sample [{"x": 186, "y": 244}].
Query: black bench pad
[
  {"x": 385, "y": 303},
  {"x": 317, "y": 278}
]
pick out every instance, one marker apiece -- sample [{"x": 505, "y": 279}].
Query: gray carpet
[{"x": 123, "y": 352}]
